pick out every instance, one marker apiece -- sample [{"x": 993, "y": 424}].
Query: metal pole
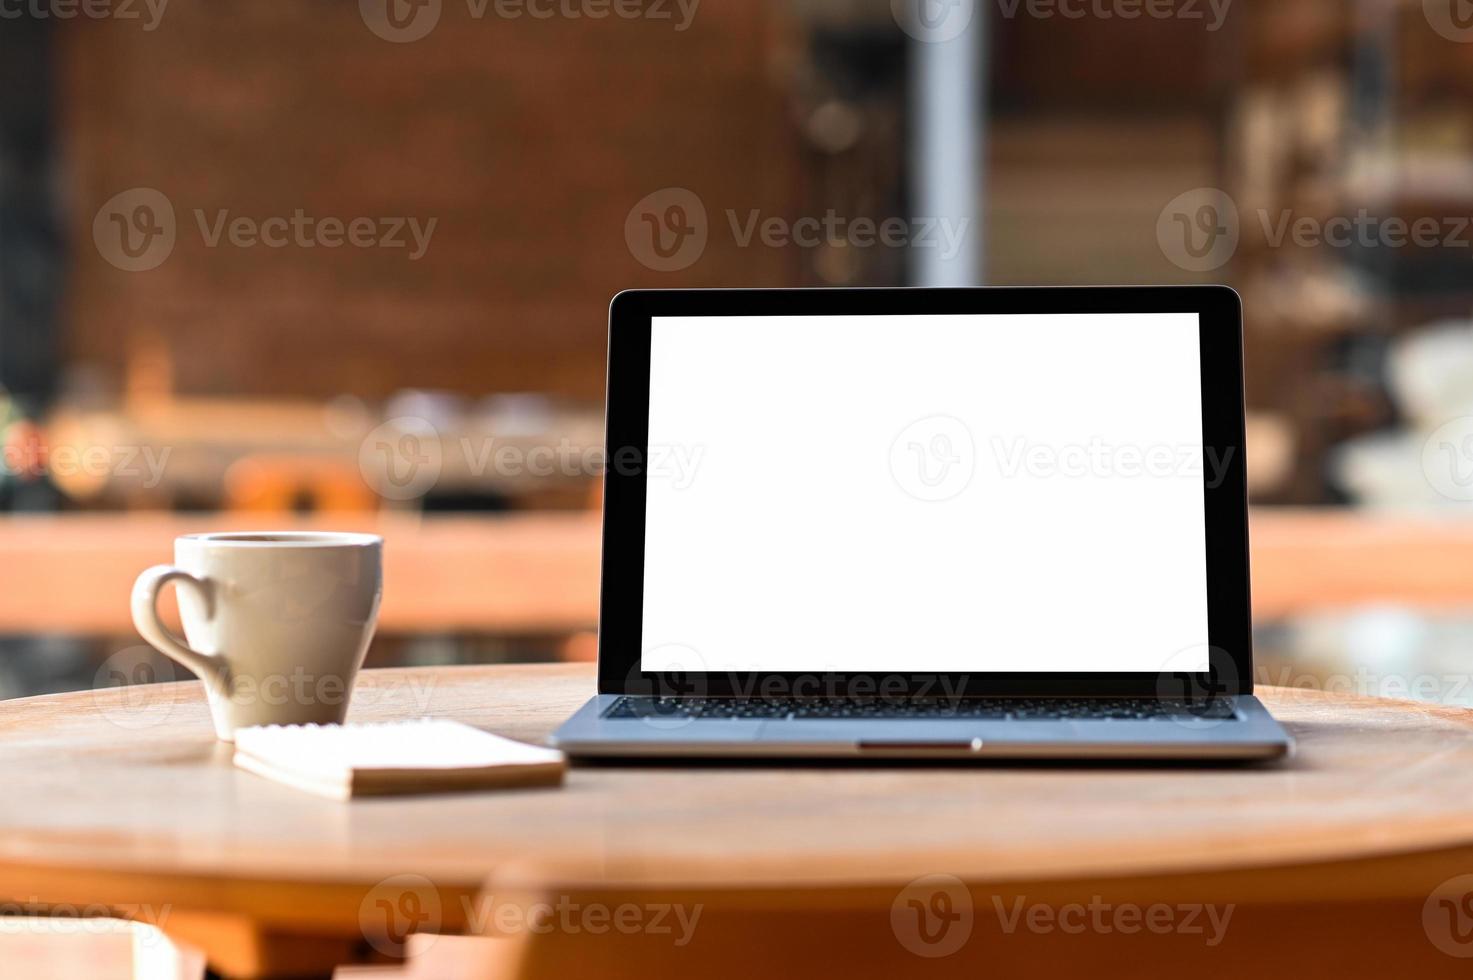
[{"x": 947, "y": 101}]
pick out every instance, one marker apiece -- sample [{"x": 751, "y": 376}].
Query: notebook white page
[{"x": 428, "y": 744}]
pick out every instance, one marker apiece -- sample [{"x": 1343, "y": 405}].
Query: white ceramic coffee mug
[{"x": 276, "y": 623}]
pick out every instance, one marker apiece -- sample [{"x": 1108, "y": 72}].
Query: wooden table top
[{"x": 125, "y": 790}]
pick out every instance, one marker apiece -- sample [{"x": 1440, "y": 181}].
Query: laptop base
[{"x": 1252, "y": 734}]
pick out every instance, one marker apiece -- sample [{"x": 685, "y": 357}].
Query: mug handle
[{"x": 209, "y": 666}]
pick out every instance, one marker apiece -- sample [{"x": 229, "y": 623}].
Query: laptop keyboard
[{"x": 979, "y": 709}]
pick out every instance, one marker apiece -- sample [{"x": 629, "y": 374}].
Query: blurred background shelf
[
  {"x": 539, "y": 572},
  {"x": 515, "y": 573},
  {"x": 233, "y": 386}
]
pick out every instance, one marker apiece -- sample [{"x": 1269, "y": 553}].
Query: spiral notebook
[{"x": 425, "y": 756}]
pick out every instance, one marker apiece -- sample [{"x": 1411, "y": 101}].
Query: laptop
[{"x": 925, "y": 524}]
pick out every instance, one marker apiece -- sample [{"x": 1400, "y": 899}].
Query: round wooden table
[{"x": 1344, "y": 859}]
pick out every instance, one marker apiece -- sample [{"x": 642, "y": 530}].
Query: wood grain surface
[
  {"x": 123, "y": 797},
  {"x": 131, "y": 780}
]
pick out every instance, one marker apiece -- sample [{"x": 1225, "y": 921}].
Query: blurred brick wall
[{"x": 529, "y": 140}]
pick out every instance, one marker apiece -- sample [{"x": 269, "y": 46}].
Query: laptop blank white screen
[{"x": 925, "y": 493}]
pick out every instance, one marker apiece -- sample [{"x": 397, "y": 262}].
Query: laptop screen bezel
[{"x": 621, "y": 604}]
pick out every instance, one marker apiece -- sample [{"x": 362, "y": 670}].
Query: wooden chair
[{"x": 281, "y": 483}]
